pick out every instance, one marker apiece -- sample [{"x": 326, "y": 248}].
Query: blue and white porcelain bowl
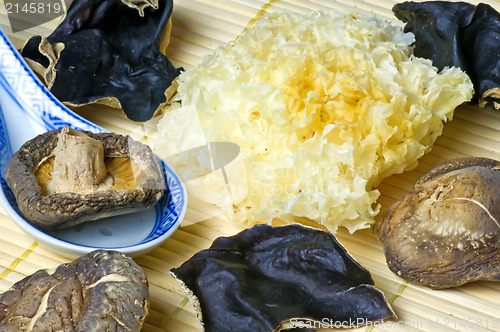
[{"x": 28, "y": 109}]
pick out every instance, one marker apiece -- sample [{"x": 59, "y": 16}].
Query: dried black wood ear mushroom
[
  {"x": 110, "y": 52},
  {"x": 277, "y": 278},
  {"x": 65, "y": 177},
  {"x": 446, "y": 231},
  {"x": 458, "y": 34},
  {"x": 100, "y": 291}
]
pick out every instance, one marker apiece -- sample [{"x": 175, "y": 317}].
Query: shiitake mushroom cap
[
  {"x": 100, "y": 291},
  {"x": 62, "y": 210},
  {"x": 446, "y": 231},
  {"x": 276, "y": 278}
]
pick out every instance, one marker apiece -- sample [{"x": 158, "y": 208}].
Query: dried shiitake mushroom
[
  {"x": 460, "y": 34},
  {"x": 65, "y": 177},
  {"x": 100, "y": 291},
  {"x": 275, "y": 278},
  {"x": 446, "y": 231},
  {"x": 110, "y": 52}
]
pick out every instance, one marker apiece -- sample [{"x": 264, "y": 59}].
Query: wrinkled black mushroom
[
  {"x": 109, "y": 51},
  {"x": 446, "y": 231},
  {"x": 100, "y": 291},
  {"x": 458, "y": 34},
  {"x": 275, "y": 278},
  {"x": 133, "y": 177}
]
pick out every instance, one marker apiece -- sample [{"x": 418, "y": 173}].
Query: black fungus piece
[
  {"x": 276, "y": 278},
  {"x": 446, "y": 231},
  {"x": 111, "y": 51},
  {"x": 458, "y": 34},
  {"x": 100, "y": 291},
  {"x": 64, "y": 209}
]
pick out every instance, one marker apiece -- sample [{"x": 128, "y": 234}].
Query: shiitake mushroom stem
[{"x": 78, "y": 163}]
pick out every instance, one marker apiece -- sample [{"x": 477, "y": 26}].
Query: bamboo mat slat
[{"x": 199, "y": 28}]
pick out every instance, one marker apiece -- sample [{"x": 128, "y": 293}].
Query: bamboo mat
[{"x": 199, "y": 27}]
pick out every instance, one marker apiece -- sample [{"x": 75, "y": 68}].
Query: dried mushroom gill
[
  {"x": 65, "y": 177},
  {"x": 276, "y": 278},
  {"x": 458, "y": 34},
  {"x": 101, "y": 291},
  {"x": 111, "y": 52},
  {"x": 446, "y": 232}
]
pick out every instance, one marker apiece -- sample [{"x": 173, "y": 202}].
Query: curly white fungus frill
[{"x": 323, "y": 106}]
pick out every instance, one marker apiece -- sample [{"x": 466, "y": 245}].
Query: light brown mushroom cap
[
  {"x": 65, "y": 209},
  {"x": 101, "y": 291},
  {"x": 446, "y": 232}
]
